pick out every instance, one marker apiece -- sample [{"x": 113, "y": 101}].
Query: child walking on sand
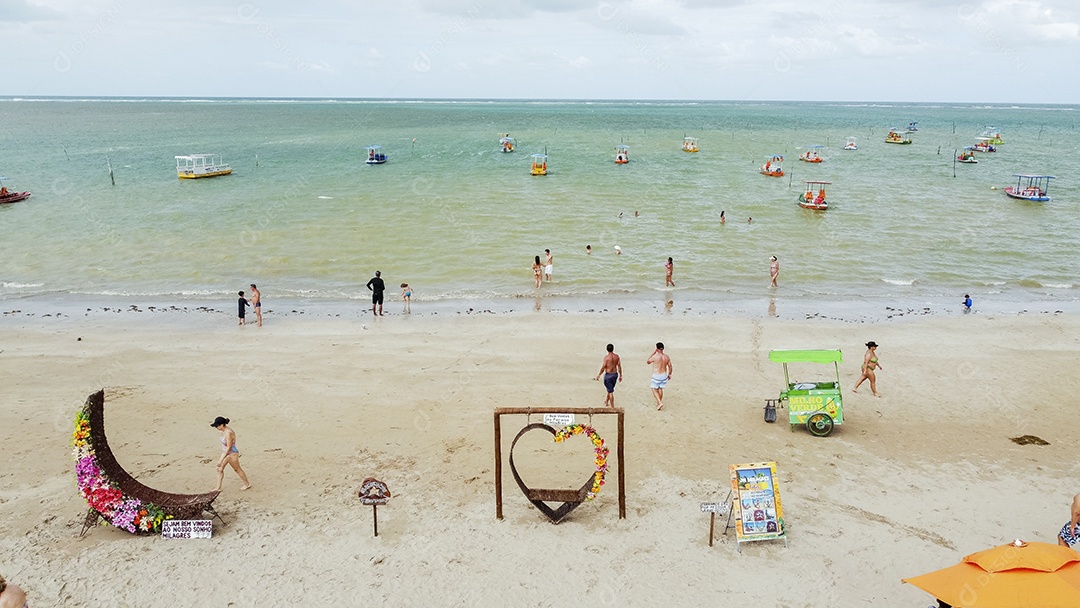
[
  {"x": 406, "y": 295},
  {"x": 241, "y": 307}
]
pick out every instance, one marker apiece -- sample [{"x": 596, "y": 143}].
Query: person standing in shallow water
[
  {"x": 870, "y": 363},
  {"x": 241, "y": 307},
  {"x": 377, "y": 287},
  {"x": 256, "y": 303},
  {"x": 538, "y": 271},
  {"x": 774, "y": 270},
  {"x": 669, "y": 268},
  {"x": 230, "y": 454}
]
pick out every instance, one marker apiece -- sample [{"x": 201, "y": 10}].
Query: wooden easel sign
[{"x": 755, "y": 503}]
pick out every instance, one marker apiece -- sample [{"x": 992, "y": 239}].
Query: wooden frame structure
[{"x": 587, "y": 411}]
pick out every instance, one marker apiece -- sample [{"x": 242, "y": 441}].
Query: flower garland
[
  {"x": 101, "y": 494},
  {"x": 598, "y": 447}
]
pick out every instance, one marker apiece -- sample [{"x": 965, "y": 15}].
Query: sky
[{"x": 978, "y": 51}]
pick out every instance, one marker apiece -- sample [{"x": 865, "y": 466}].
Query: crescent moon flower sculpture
[{"x": 111, "y": 493}]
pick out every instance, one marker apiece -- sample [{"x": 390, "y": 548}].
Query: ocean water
[{"x": 304, "y": 217}]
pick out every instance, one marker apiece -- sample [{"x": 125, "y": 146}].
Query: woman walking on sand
[
  {"x": 870, "y": 363},
  {"x": 230, "y": 454},
  {"x": 538, "y": 270}
]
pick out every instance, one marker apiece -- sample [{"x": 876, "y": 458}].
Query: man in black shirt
[{"x": 377, "y": 287}]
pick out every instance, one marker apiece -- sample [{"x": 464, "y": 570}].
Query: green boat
[{"x": 816, "y": 404}]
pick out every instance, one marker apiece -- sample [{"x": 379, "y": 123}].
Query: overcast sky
[{"x": 872, "y": 50}]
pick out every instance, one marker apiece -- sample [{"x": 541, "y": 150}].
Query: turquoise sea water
[{"x": 304, "y": 217}]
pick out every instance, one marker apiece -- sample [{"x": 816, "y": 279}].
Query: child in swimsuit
[{"x": 241, "y": 305}]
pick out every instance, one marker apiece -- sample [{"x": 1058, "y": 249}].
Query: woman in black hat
[
  {"x": 870, "y": 363},
  {"x": 230, "y": 454}
]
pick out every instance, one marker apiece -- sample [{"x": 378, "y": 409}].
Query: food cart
[{"x": 817, "y": 404}]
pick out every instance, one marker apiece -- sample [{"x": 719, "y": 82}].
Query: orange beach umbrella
[{"x": 1016, "y": 575}]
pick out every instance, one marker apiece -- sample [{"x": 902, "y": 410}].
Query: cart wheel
[{"x": 819, "y": 424}]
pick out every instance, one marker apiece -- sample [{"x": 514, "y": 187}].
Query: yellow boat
[
  {"x": 689, "y": 144},
  {"x": 895, "y": 137},
  {"x": 539, "y": 164},
  {"x": 194, "y": 166}
]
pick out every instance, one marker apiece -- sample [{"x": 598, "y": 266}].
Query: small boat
[
  {"x": 195, "y": 166},
  {"x": 895, "y": 137},
  {"x": 689, "y": 144},
  {"x": 912, "y": 127},
  {"x": 1030, "y": 188},
  {"x": 539, "y": 164},
  {"x": 507, "y": 143},
  {"x": 773, "y": 167},
  {"x": 984, "y": 145},
  {"x": 812, "y": 154},
  {"x": 814, "y": 198},
  {"x": 622, "y": 154},
  {"x": 993, "y": 135},
  {"x": 850, "y": 145},
  {"x": 7, "y": 196},
  {"x": 375, "y": 155},
  {"x": 967, "y": 156}
]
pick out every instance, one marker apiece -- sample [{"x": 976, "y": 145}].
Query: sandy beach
[{"x": 911, "y": 482}]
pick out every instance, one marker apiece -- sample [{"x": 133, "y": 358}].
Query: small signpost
[
  {"x": 712, "y": 508},
  {"x": 374, "y": 492},
  {"x": 187, "y": 528},
  {"x": 558, "y": 419}
]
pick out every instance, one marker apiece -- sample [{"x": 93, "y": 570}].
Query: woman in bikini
[
  {"x": 538, "y": 270},
  {"x": 230, "y": 454},
  {"x": 870, "y": 363}
]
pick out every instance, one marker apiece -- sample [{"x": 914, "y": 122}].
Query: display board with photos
[{"x": 755, "y": 502}]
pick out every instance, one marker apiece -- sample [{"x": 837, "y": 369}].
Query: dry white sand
[{"x": 911, "y": 482}]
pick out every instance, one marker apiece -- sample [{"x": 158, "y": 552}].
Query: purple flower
[
  {"x": 87, "y": 472},
  {"x": 124, "y": 518}
]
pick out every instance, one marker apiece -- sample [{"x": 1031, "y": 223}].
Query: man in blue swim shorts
[
  {"x": 611, "y": 368},
  {"x": 661, "y": 367}
]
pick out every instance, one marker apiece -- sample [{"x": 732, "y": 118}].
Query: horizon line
[{"x": 31, "y": 97}]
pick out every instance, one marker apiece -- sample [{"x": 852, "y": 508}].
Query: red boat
[{"x": 12, "y": 197}]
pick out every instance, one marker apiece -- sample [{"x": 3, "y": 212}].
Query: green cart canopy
[{"x": 806, "y": 356}]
